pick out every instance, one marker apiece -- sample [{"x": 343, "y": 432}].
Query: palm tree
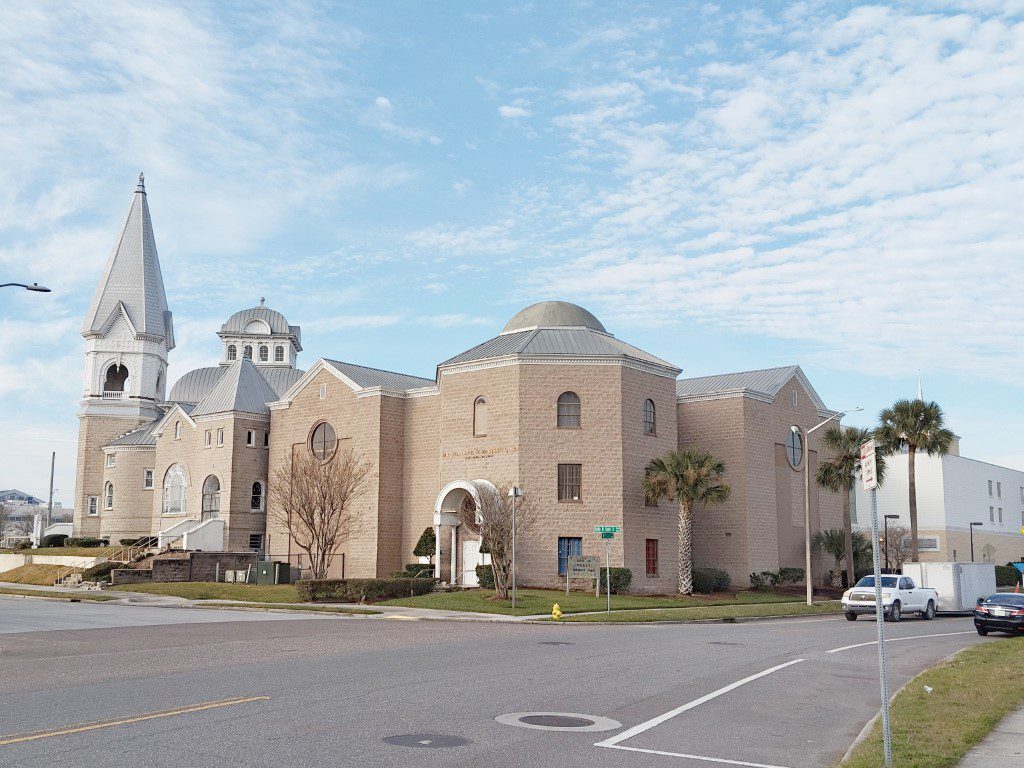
[
  {"x": 690, "y": 477},
  {"x": 913, "y": 425},
  {"x": 840, "y": 545},
  {"x": 839, "y": 474}
]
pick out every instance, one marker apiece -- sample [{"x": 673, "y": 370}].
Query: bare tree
[
  {"x": 314, "y": 500},
  {"x": 492, "y": 521},
  {"x": 901, "y": 547}
]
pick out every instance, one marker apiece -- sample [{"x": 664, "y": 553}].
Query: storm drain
[
  {"x": 559, "y": 721},
  {"x": 427, "y": 740}
]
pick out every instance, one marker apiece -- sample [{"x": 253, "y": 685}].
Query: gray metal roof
[
  {"x": 141, "y": 436},
  {"x": 375, "y": 377},
  {"x": 195, "y": 385},
  {"x": 575, "y": 341},
  {"x": 553, "y": 314},
  {"x": 241, "y": 388},
  {"x": 766, "y": 383},
  {"x": 274, "y": 319},
  {"x": 132, "y": 278},
  {"x": 281, "y": 379}
]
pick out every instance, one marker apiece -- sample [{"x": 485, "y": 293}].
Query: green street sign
[
  {"x": 607, "y": 529},
  {"x": 607, "y": 535}
]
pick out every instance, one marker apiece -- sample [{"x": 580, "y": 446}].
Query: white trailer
[{"x": 959, "y": 584}]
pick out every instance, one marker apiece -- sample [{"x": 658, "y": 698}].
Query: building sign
[
  {"x": 868, "y": 477},
  {"x": 581, "y": 567}
]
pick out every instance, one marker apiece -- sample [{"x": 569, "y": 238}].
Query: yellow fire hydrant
[{"x": 556, "y": 612}]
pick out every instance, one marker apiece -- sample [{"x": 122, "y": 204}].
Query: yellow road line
[{"x": 18, "y": 739}]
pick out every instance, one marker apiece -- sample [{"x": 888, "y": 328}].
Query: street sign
[
  {"x": 581, "y": 567},
  {"x": 607, "y": 535},
  {"x": 868, "y": 477},
  {"x": 607, "y": 529},
  {"x": 1022, "y": 531}
]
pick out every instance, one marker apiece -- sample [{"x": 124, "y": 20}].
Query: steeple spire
[{"x": 142, "y": 183}]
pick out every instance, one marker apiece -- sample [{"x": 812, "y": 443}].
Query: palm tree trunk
[
  {"x": 685, "y": 575},
  {"x": 912, "y": 475},
  {"x": 848, "y": 535}
]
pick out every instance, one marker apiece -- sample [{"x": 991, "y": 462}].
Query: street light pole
[
  {"x": 972, "y": 540},
  {"x": 805, "y": 439},
  {"x": 514, "y": 493},
  {"x": 887, "y": 519},
  {"x": 34, "y": 287}
]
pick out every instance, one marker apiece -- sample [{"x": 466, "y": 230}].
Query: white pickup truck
[{"x": 900, "y": 595}]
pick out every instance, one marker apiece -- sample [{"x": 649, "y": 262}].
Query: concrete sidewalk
[{"x": 1001, "y": 748}]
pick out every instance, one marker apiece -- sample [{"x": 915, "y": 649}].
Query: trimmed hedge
[
  {"x": 485, "y": 576},
  {"x": 83, "y": 541},
  {"x": 149, "y": 541},
  {"x": 791, "y": 575},
  {"x": 360, "y": 590},
  {"x": 100, "y": 571},
  {"x": 1007, "y": 576},
  {"x": 708, "y": 580},
  {"x": 620, "y": 578}
]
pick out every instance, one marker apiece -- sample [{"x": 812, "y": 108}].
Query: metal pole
[
  {"x": 807, "y": 517},
  {"x": 513, "y": 548},
  {"x": 972, "y": 542},
  {"x": 883, "y": 675},
  {"x": 608, "y": 574},
  {"x": 49, "y": 507},
  {"x": 887, "y": 544}
]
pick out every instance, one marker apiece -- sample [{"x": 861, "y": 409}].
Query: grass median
[
  {"x": 53, "y": 594},
  {"x": 213, "y": 590},
  {"x": 970, "y": 694},
  {"x": 703, "y": 613},
  {"x": 295, "y": 607},
  {"x": 540, "y": 601}
]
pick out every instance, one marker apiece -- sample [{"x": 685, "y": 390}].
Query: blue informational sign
[{"x": 1019, "y": 567}]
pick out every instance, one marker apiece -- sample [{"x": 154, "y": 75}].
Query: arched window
[
  {"x": 323, "y": 441},
  {"x": 247, "y": 352},
  {"x": 650, "y": 423},
  {"x": 568, "y": 410},
  {"x": 257, "y": 497},
  {"x": 794, "y": 448},
  {"x": 108, "y": 496},
  {"x": 116, "y": 376},
  {"x": 479, "y": 417},
  {"x": 211, "y": 497},
  {"x": 264, "y": 354},
  {"x": 174, "y": 490},
  {"x": 232, "y": 352},
  {"x": 278, "y": 354}
]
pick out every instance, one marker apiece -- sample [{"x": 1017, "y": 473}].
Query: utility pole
[{"x": 49, "y": 506}]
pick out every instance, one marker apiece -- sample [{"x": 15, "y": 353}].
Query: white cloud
[{"x": 512, "y": 111}]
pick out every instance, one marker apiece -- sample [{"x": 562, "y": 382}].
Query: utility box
[
  {"x": 229, "y": 577},
  {"x": 272, "y": 572},
  {"x": 959, "y": 584}
]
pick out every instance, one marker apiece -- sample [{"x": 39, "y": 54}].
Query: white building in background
[
  {"x": 952, "y": 492},
  {"x": 22, "y": 511}
]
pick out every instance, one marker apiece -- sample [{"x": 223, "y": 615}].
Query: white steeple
[{"x": 128, "y": 328}]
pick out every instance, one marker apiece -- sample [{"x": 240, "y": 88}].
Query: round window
[
  {"x": 794, "y": 448},
  {"x": 322, "y": 441}
]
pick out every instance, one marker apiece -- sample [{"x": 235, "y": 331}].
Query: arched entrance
[{"x": 459, "y": 555}]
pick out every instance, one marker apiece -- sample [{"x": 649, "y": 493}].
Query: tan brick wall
[
  {"x": 421, "y": 471},
  {"x": 93, "y": 433},
  {"x": 132, "y": 514}
]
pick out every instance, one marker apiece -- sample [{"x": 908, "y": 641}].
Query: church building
[{"x": 553, "y": 403}]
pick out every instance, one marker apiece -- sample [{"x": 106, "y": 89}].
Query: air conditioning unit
[{"x": 229, "y": 576}]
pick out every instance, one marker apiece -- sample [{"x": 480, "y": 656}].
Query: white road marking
[
  {"x": 898, "y": 639},
  {"x": 645, "y": 726},
  {"x": 692, "y": 757}
]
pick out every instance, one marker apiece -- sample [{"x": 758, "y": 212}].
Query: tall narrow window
[
  {"x": 568, "y": 411},
  {"x": 651, "y": 557},
  {"x": 999, "y": 490},
  {"x": 570, "y": 482},
  {"x": 232, "y": 352},
  {"x": 278, "y": 354},
  {"x": 247, "y": 352},
  {"x": 266, "y": 439},
  {"x": 1000, "y": 515},
  {"x": 264, "y": 354},
  {"x": 208, "y": 439},
  {"x": 250, "y": 438},
  {"x": 323, "y": 441},
  {"x": 568, "y": 546},
  {"x": 177, "y": 430},
  {"x": 108, "y": 496},
  {"x": 111, "y": 459},
  {"x": 256, "y": 503},
  {"x": 650, "y": 422},
  {"x": 94, "y": 505},
  {"x": 147, "y": 479},
  {"x": 220, "y": 436},
  {"x": 174, "y": 490},
  {"x": 479, "y": 417},
  {"x": 211, "y": 497},
  {"x": 991, "y": 514}
]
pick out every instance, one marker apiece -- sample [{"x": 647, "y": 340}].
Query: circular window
[
  {"x": 322, "y": 441},
  {"x": 794, "y": 448}
]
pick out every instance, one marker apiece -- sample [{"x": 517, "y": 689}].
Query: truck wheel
[
  {"x": 982, "y": 631},
  {"x": 851, "y": 616},
  {"x": 929, "y": 613},
  {"x": 895, "y": 613}
]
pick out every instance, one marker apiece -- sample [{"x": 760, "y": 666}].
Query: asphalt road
[{"x": 238, "y": 689}]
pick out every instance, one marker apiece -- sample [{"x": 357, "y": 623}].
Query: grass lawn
[
  {"x": 64, "y": 551},
  {"x": 970, "y": 694},
  {"x": 298, "y": 607},
  {"x": 536, "y": 601},
  {"x": 41, "y": 575},
  {"x": 744, "y": 610},
  {"x": 212, "y": 590},
  {"x": 54, "y": 594}
]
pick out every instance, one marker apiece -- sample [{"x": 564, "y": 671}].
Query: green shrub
[
  {"x": 791, "y": 575},
  {"x": 146, "y": 541},
  {"x": 426, "y": 544},
  {"x": 765, "y": 581},
  {"x": 415, "y": 571},
  {"x": 621, "y": 578},
  {"x": 485, "y": 575},
  {"x": 100, "y": 571},
  {"x": 83, "y": 541},
  {"x": 1007, "y": 576},
  {"x": 360, "y": 590},
  {"x": 708, "y": 580}
]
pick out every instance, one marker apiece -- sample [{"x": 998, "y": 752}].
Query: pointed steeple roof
[
  {"x": 132, "y": 282},
  {"x": 240, "y": 388}
]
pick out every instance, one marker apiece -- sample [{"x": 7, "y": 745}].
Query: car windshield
[
  {"x": 888, "y": 582},
  {"x": 1004, "y": 599}
]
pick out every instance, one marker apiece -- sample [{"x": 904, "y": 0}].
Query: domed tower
[{"x": 262, "y": 335}]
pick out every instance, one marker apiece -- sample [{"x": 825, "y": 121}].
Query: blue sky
[{"x": 728, "y": 186}]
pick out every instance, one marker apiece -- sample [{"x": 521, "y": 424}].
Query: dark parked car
[{"x": 1002, "y": 612}]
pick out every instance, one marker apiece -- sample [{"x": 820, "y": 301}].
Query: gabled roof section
[
  {"x": 132, "y": 278},
  {"x": 764, "y": 384},
  {"x": 547, "y": 342},
  {"x": 185, "y": 409},
  {"x": 197, "y": 383},
  {"x": 144, "y": 435},
  {"x": 368, "y": 378},
  {"x": 241, "y": 388}
]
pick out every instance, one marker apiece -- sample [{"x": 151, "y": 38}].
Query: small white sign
[{"x": 869, "y": 480}]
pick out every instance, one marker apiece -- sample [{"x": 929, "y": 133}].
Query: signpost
[
  {"x": 580, "y": 567},
  {"x": 608, "y": 533},
  {"x": 869, "y": 482}
]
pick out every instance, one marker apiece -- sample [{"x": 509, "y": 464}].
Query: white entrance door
[{"x": 471, "y": 558}]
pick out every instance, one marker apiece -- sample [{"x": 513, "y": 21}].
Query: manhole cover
[
  {"x": 554, "y": 642},
  {"x": 559, "y": 721},
  {"x": 427, "y": 740}
]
